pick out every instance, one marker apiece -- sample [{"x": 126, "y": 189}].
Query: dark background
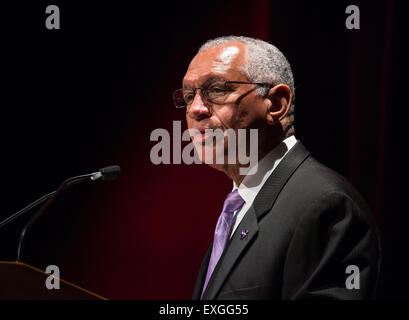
[{"x": 89, "y": 95}]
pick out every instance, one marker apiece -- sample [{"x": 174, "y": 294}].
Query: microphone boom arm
[
  {"x": 27, "y": 208},
  {"x": 106, "y": 174},
  {"x": 52, "y": 196}
]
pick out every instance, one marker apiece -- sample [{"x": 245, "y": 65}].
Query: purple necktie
[{"x": 232, "y": 203}]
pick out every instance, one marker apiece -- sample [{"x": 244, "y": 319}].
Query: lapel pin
[{"x": 244, "y": 233}]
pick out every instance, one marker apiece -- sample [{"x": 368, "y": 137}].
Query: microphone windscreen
[{"x": 110, "y": 173}]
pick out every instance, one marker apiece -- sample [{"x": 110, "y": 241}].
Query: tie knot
[{"x": 233, "y": 201}]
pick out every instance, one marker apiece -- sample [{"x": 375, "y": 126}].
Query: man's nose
[{"x": 198, "y": 109}]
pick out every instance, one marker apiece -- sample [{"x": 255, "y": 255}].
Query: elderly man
[{"x": 293, "y": 229}]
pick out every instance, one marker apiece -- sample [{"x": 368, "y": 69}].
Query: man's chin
[
  {"x": 220, "y": 167},
  {"x": 211, "y": 158}
]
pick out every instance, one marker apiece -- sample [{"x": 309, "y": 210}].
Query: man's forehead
[{"x": 222, "y": 61}]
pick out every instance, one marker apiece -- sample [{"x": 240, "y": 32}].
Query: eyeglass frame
[{"x": 263, "y": 84}]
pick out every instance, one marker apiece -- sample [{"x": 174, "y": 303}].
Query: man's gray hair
[{"x": 264, "y": 63}]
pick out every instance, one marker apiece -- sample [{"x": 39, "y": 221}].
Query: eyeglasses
[{"x": 216, "y": 92}]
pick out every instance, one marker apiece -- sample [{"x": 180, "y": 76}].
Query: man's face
[{"x": 242, "y": 108}]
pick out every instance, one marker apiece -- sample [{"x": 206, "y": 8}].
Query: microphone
[{"x": 105, "y": 174}]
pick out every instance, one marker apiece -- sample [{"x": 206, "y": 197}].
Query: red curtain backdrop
[{"x": 164, "y": 215}]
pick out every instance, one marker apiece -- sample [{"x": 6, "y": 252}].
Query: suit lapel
[
  {"x": 262, "y": 204},
  {"x": 268, "y": 194}
]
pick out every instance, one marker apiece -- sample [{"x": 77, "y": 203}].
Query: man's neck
[{"x": 233, "y": 170}]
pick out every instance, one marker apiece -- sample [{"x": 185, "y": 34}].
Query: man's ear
[{"x": 280, "y": 98}]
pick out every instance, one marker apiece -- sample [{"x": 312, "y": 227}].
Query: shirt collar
[{"x": 252, "y": 184}]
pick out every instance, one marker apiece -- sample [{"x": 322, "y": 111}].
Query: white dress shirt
[{"x": 252, "y": 184}]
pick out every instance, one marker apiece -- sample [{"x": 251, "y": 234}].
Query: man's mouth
[{"x": 203, "y": 135}]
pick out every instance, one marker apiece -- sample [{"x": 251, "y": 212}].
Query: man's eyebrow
[
  {"x": 214, "y": 79},
  {"x": 208, "y": 81}
]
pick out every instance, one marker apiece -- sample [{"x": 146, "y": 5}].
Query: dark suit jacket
[{"x": 306, "y": 225}]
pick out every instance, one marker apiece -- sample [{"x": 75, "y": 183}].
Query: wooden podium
[{"x": 20, "y": 281}]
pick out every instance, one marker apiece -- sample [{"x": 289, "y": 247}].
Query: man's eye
[
  {"x": 216, "y": 90},
  {"x": 188, "y": 97}
]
